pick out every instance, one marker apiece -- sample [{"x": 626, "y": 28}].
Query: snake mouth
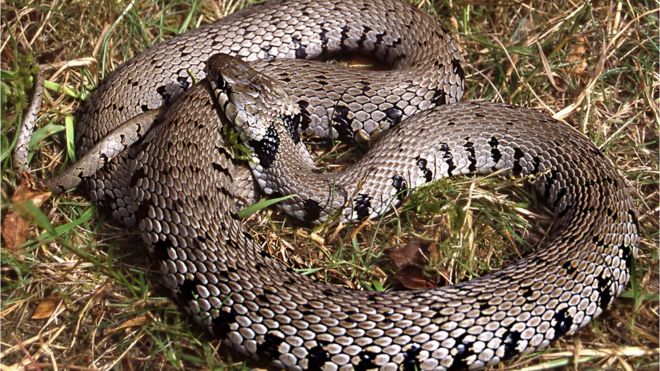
[{"x": 215, "y": 67}]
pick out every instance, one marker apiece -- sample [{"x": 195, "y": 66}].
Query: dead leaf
[
  {"x": 14, "y": 231},
  {"x": 15, "y": 226},
  {"x": 27, "y": 191},
  {"x": 410, "y": 261},
  {"x": 412, "y": 277},
  {"x": 46, "y": 308}
]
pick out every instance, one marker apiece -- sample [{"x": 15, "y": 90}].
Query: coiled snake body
[{"x": 177, "y": 184}]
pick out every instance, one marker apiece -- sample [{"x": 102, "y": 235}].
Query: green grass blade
[{"x": 262, "y": 204}]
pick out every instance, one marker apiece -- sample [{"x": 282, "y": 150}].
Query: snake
[{"x": 154, "y": 150}]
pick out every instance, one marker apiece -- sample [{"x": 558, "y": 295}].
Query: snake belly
[{"x": 176, "y": 184}]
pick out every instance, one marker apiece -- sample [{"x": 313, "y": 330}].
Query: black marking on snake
[
  {"x": 221, "y": 324},
  {"x": 364, "y": 86},
  {"x": 223, "y": 151},
  {"x": 144, "y": 108},
  {"x": 527, "y": 293},
  {"x": 104, "y": 157},
  {"x": 422, "y": 163},
  {"x": 317, "y": 357},
  {"x": 301, "y": 53},
  {"x": 266, "y": 148},
  {"x": 363, "y": 37},
  {"x": 510, "y": 340},
  {"x": 633, "y": 218},
  {"x": 142, "y": 210},
  {"x": 605, "y": 297},
  {"x": 312, "y": 210},
  {"x": 224, "y": 105},
  {"x": 626, "y": 254},
  {"x": 350, "y": 311},
  {"x": 392, "y": 48},
  {"x": 346, "y": 321},
  {"x": 611, "y": 213},
  {"x": 393, "y": 115},
  {"x": 401, "y": 186},
  {"x": 342, "y": 124},
  {"x": 324, "y": 38},
  {"x": 462, "y": 353},
  {"x": 448, "y": 157},
  {"x": 160, "y": 249},
  {"x": 305, "y": 118},
  {"x": 410, "y": 361},
  {"x": 309, "y": 308},
  {"x": 218, "y": 167},
  {"x": 362, "y": 205},
  {"x": 344, "y": 36},
  {"x": 469, "y": 147},
  {"x": 458, "y": 69},
  {"x": 223, "y": 274},
  {"x": 563, "y": 322},
  {"x": 267, "y": 56},
  {"x": 183, "y": 82},
  {"x": 188, "y": 290},
  {"x": 568, "y": 266},
  {"x": 162, "y": 91},
  {"x": 536, "y": 160},
  {"x": 517, "y": 155},
  {"x": 292, "y": 125},
  {"x": 439, "y": 97},
  {"x": 366, "y": 361},
  {"x": 262, "y": 299},
  {"x": 562, "y": 192},
  {"x": 379, "y": 40},
  {"x": 494, "y": 151}
]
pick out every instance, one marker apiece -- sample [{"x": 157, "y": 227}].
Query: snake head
[{"x": 251, "y": 100}]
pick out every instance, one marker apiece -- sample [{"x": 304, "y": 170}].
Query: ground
[{"x": 79, "y": 292}]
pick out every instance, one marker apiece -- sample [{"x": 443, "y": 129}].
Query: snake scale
[{"x": 155, "y": 155}]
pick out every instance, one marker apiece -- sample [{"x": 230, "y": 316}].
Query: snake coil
[{"x": 154, "y": 154}]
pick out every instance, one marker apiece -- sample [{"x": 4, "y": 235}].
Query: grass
[{"x": 82, "y": 294}]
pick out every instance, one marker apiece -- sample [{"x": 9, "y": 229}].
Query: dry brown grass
[{"x": 84, "y": 295}]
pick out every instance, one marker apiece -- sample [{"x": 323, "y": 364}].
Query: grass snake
[{"x": 154, "y": 154}]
